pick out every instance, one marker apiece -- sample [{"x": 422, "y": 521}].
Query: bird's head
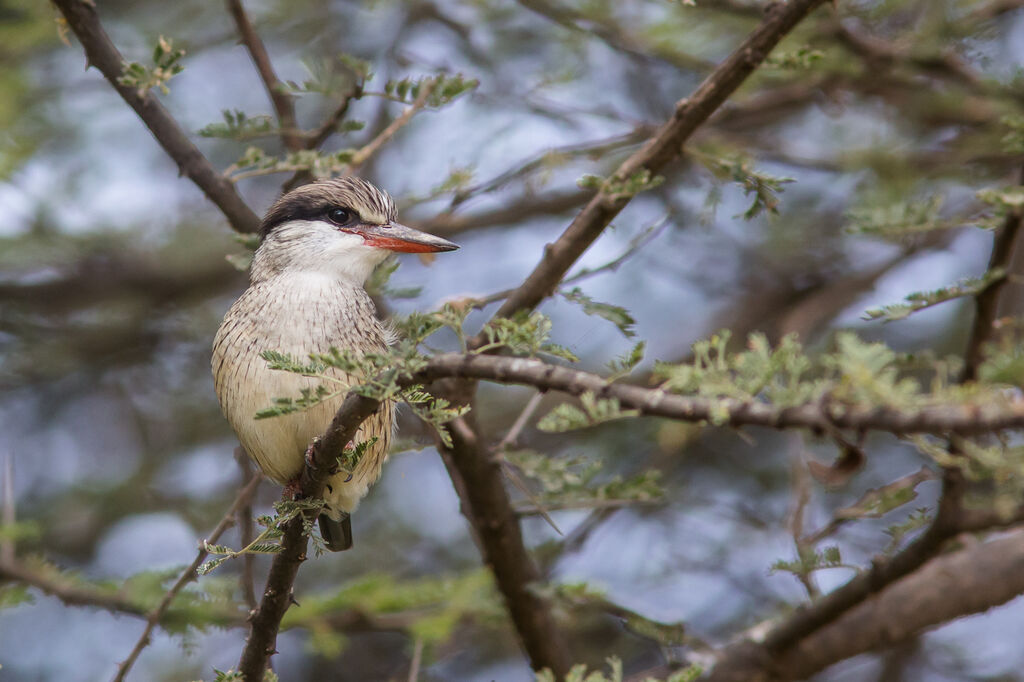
[{"x": 343, "y": 227}]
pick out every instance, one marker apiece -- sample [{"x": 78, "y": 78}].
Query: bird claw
[{"x": 292, "y": 489}]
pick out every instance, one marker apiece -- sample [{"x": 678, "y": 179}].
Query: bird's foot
[{"x": 292, "y": 489}]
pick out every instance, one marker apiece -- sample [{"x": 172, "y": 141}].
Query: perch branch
[{"x": 277, "y": 595}]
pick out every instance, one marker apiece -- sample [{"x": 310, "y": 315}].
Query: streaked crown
[{"x": 313, "y": 201}]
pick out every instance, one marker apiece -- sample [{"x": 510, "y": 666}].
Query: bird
[{"x": 318, "y": 244}]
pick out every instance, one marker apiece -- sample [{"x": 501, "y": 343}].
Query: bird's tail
[{"x": 337, "y": 534}]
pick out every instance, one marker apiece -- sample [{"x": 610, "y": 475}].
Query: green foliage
[
  {"x": 268, "y": 541},
  {"x": 572, "y": 481},
  {"x": 524, "y": 334},
  {"x": 592, "y": 411},
  {"x": 856, "y": 374},
  {"x": 762, "y": 187},
  {"x": 777, "y": 374},
  {"x": 801, "y": 59},
  {"x": 255, "y": 162},
  {"x": 333, "y": 75},
  {"x": 431, "y": 607},
  {"x": 617, "y": 315},
  {"x": 971, "y": 286},
  {"x": 436, "y": 411},
  {"x": 627, "y": 362},
  {"x": 1004, "y": 201},
  {"x": 166, "y": 65},
  {"x": 22, "y": 531},
  {"x": 1004, "y": 362},
  {"x": 13, "y": 594},
  {"x": 377, "y": 284},
  {"x": 898, "y": 219},
  {"x": 620, "y": 189},
  {"x": 1013, "y": 140},
  {"x": 239, "y": 126},
  {"x": 445, "y": 88},
  {"x": 917, "y": 519},
  {"x": 810, "y": 560},
  {"x": 579, "y": 673},
  {"x": 996, "y": 461}
]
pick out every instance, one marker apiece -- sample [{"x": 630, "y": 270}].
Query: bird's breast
[{"x": 296, "y": 315}]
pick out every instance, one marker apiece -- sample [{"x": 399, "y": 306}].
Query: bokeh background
[{"x": 113, "y": 279}]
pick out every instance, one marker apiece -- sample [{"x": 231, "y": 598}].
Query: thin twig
[
  {"x": 520, "y": 423},
  {"x": 801, "y": 498},
  {"x": 329, "y": 126},
  {"x": 284, "y": 106},
  {"x": 635, "y": 245},
  {"x": 364, "y": 153},
  {"x": 100, "y": 51},
  {"x": 187, "y": 576}
]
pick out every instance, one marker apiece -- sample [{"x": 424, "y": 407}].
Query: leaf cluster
[
  {"x": 763, "y": 188},
  {"x": 166, "y": 65},
  {"x": 444, "y": 88},
  {"x": 971, "y": 286},
  {"x": 572, "y": 481},
  {"x": 578, "y": 673},
  {"x": 617, "y": 315},
  {"x": 238, "y": 125}
]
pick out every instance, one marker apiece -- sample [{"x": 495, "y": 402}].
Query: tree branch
[
  {"x": 948, "y": 587},
  {"x": 283, "y": 103},
  {"x": 987, "y": 302},
  {"x": 101, "y": 53},
  {"x": 187, "y": 576},
  {"x": 964, "y": 420},
  {"x": 277, "y": 595},
  {"x": 664, "y": 147}
]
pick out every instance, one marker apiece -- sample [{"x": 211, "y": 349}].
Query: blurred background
[{"x": 888, "y": 117}]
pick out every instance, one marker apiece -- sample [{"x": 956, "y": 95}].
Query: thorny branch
[
  {"x": 277, "y": 595},
  {"x": 544, "y": 376},
  {"x": 664, "y": 147},
  {"x": 100, "y": 51}
]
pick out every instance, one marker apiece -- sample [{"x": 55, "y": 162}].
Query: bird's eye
[{"x": 339, "y": 216}]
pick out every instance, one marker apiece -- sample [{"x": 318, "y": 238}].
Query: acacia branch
[
  {"x": 544, "y": 376},
  {"x": 987, "y": 301},
  {"x": 187, "y": 576},
  {"x": 664, "y": 147},
  {"x": 373, "y": 146},
  {"x": 100, "y": 52},
  {"x": 949, "y": 587},
  {"x": 261, "y": 643},
  {"x": 283, "y": 103}
]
